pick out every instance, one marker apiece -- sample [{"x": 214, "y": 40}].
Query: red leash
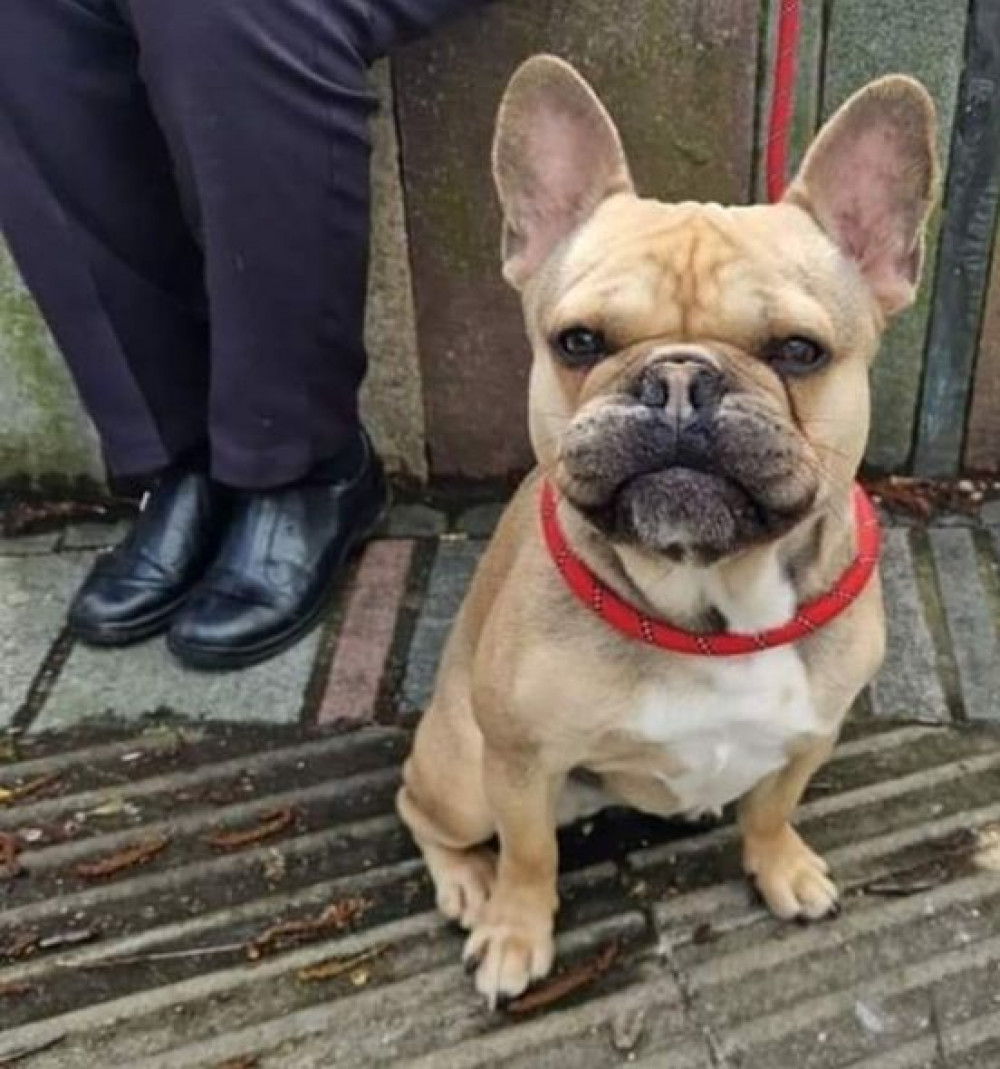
[{"x": 782, "y": 99}]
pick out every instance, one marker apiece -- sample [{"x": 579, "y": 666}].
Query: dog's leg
[
  {"x": 512, "y": 943},
  {"x": 792, "y": 879},
  {"x": 463, "y": 873},
  {"x": 443, "y": 804}
]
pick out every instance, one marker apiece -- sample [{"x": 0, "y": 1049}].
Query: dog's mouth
[{"x": 701, "y": 492}]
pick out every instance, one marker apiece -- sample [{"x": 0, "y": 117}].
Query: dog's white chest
[{"x": 728, "y": 724}]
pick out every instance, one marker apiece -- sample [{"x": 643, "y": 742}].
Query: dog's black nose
[{"x": 684, "y": 384}]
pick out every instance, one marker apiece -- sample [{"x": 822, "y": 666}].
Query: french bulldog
[{"x": 699, "y": 406}]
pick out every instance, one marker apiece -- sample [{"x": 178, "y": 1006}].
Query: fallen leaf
[
  {"x": 30, "y": 517},
  {"x": 24, "y": 790},
  {"x": 922, "y": 497},
  {"x": 333, "y": 967},
  {"x": 912, "y": 882},
  {"x": 704, "y": 933},
  {"x": 956, "y": 854},
  {"x": 15, "y": 989},
  {"x": 111, "y": 808},
  {"x": 248, "y": 1061},
  {"x": 566, "y": 983},
  {"x": 23, "y": 945},
  {"x": 10, "y": 849},
  {"x": 129, "y": 858},
  {"x": 269, "y": 826},
  {"x": 335, "y": 916}
]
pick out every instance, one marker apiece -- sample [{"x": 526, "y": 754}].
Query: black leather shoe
[
  {"x": 277, "y": 568},
  {"x": 133, "y": 591}
]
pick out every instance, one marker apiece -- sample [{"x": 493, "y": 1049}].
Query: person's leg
[
  {"x": 266, "y": 107},
  {"x": 90, "y": 211}
]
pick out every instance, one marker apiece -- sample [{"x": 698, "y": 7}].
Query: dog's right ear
[{"x": 556, "y": 156}]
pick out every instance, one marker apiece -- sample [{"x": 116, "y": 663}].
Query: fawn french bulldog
[{"x": 681, "y": 602}]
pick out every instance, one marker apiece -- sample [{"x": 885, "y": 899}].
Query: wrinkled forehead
[{"x": 642, "y": 269}]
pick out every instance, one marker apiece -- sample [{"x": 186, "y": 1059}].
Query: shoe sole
[
  {"x": 111, "y": 636},
  {"x": 208, "y": 660}
]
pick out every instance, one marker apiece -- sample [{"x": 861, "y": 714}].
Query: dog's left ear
[
  {"x": 556, "y": 156},
  {"x": 870, "y": 179}
]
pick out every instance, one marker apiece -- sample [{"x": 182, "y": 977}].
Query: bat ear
[
  {"x": 556, "y": 156},
  {"x": 870, "y": 178}
]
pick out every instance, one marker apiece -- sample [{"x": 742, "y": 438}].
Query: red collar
[{"x": 631, "y": 622}]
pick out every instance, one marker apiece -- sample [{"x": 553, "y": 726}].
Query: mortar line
[
  {"x": 422, "y": 559},
  {"x": 691, "y": 1002},
  {"x": 44, "y": 680},
  {"x": 318, "y": 671},
  {"x": 932, "y": 603}
]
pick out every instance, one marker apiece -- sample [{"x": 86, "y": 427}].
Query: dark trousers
[{"x": 184, "y": 187}]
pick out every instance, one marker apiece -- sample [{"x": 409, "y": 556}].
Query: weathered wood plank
[
  {"x": 982, "y": 448},
  {"x": 971, "y": 197},
  {"x": 808, "y": 70},
  {"x": 678, "y": 77},
  {"x": 866, "y": 39}
]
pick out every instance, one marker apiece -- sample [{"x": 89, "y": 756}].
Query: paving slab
[
  {"x": 28, "y": 545},
  {"x": 907, "y": 685},
  {"x": 972, "y": 624},
  {"x": 415, "y": 521},
  {"x": 365, "y": 636},
  {"x": 990, "y": 512},
  {"x": 453, "y": 567},
  {"x": 92, "y": 535},
  {"x": 35, "y": 592},
  {"x": 131, "y": 683},
  {"x": 480, "y": 521}
]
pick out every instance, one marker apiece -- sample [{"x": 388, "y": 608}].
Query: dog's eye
[
  {"x": 796, "y": 356},
  {"x": 580, "y": 346}
]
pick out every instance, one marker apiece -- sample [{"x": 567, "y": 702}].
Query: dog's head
[{"x": 700, "y": 376}]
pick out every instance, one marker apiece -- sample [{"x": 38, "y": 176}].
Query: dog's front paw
[
  {"x": 510, "y": 946},
  {"x": 463, "y": 883},
  {"x": 793, "y": 880}
]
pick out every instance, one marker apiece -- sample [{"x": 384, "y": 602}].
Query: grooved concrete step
[{"x": 150, "y": 967}]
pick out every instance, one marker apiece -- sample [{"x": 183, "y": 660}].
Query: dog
[{"x": 698, "y": 407}]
